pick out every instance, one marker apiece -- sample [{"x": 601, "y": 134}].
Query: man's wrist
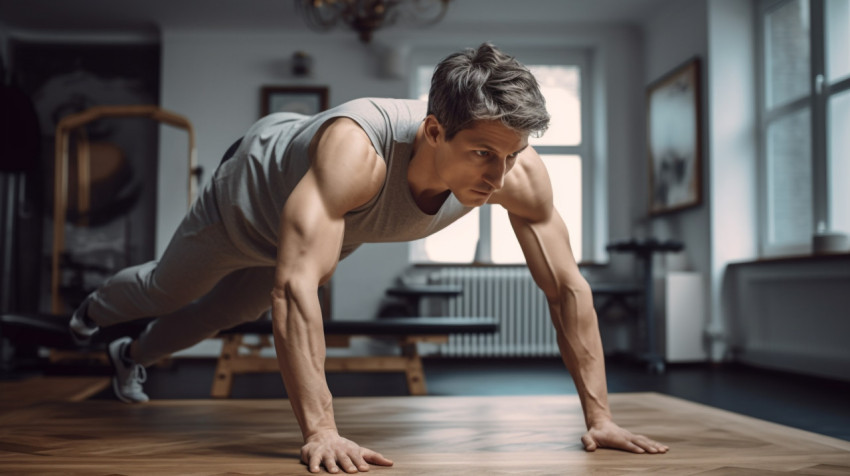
[
  {"x": 598, "y": 419},
  {"x": 320, "y": 433}
]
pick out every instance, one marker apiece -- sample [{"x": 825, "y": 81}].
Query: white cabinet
[{"x": 681, "y": 315}]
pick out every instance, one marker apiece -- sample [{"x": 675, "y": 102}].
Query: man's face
[{"x": 474, "y": 163}]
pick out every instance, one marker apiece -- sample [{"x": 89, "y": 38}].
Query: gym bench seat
[{"x": 51, "y": 331}]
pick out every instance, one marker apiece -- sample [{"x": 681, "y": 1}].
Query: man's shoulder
[
  {"x": 345, "y": 139},
  {"x": 387, "y": 102},
  {"x": 387, "y": 108},
  {"x": 347, "y": 164},
  {"x": 528, "y": 190}
]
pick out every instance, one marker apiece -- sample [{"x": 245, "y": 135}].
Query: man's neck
[{"x": 427, "y": 189}]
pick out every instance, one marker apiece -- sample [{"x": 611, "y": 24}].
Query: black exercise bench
[
  {"x": 51, "y": 331},
  {"x": 407, "y": 331}
]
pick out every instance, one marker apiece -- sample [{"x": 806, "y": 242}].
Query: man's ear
[{"x": 434, "y": 131}]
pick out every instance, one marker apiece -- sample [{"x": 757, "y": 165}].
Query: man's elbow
[
  {"x": 286, "y": 296},
  {"x": 288, "y": 309},
  {"x": 573, "y": 295},
  {"x": 279, "y": 293},
  {"x": 562, "y": 288},
  {"x": 291, "y": 283}
]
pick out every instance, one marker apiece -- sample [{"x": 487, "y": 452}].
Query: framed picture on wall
[
  {"x": 304, "y": 100},
  {"x": 674, "y": 145}
]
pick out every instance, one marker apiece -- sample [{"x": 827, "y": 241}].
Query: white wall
[
  {"x": 733, "y": 153},
  {"x": 723, "y": 228},
  {"x": 214, "y": 78}
]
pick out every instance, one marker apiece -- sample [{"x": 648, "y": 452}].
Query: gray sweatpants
[{"x": 203, "y": 283}]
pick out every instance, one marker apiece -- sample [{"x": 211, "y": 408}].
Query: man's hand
[
  {"x": 609, "y": 435},
  {"x": 334, "y": 452}
]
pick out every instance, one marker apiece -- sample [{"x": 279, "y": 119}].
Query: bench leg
[
  {"x": 223, "y": 379},
  {"x": 414, "y": 372}
]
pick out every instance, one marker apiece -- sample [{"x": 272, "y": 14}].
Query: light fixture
[{"x": 366, "y": 16}]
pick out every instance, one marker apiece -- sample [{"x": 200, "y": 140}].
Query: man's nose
[{"x": 495, "y": 175}]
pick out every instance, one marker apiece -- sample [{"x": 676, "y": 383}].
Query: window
[
  {"x": 838, "y": 110},
  {"x": 804, "y": 115},
  {"x": 485, "y": 234}
]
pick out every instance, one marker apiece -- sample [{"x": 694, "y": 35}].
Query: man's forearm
[
  {"x": 581, "y": 349},
  {"x": 300, "y": 346}
]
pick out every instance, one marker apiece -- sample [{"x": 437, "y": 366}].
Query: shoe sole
[{"x": 118, "y": 395}]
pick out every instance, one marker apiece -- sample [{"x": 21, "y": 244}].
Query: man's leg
[
  {"x": 195, "y": 260},
  {"x": 199, "y": 255},
  {"x": 240, "y": 297}
]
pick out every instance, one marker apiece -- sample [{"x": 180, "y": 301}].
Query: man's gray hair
[{"x": 485, "y": 84}]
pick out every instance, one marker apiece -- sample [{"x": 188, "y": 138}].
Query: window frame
[
  {"x": 817, "y": 101},
  {"x": 593, "y": 185}
]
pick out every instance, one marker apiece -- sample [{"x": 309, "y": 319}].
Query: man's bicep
[
  {"x": 311, "y": 234},
  {"x": 345, "y": 172}
]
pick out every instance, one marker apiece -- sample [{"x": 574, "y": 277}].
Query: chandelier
[{"x": 366, "y": 16}]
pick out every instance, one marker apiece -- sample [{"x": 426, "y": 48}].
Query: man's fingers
[
  {"x": 345, "y": 463},
  {"x": 649, "y": 445},
  {"x": 348, "y": 458},
  {"x": 376, "y": 458},
  {"x": 612, "y": 436},
  {"x": 644, "y": 443},
  {"x": 330, "y": 464},
  {"x": 313, "y": 464},
  {"x": 633, "y": 447},
  {"x": 589, "y": 443},
  {"x": 625, "y": 443},
  {"x": 361, "y": 463}
]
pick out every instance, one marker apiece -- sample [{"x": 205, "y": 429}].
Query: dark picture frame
[
  {"x": 674, "y": 139},
  {"x": 306, "y": 100}
]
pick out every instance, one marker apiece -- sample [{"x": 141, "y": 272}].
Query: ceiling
[{"x": 112, "y": 15}]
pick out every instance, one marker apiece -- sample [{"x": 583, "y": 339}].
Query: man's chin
[{"x": 476, "y": 200}]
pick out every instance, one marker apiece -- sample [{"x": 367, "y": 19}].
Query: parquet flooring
[{"x": 520, "y": 435}]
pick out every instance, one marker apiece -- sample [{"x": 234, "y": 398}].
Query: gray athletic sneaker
[
  {"x": 129, "y": 376},
  {"x": 81, "y": 327}
]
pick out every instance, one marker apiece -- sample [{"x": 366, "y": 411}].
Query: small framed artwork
[
  {"x": 303, "y": 100},
  {"x": 674, "y": 145}
]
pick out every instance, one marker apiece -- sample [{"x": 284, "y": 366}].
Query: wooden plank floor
[{"x": 424, "y": 435}]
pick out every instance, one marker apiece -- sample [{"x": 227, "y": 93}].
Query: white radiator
[{"x": 507, "y": 294}]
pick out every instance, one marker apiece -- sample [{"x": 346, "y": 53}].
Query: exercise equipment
[
  {"x": 51, "y": 330},
  {"x": 74, "y": 124}
]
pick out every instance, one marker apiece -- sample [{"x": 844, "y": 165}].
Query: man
[{"x": 302, "y": 192}]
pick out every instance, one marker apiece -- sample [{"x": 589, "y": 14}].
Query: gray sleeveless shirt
[{"x": 252, "y": 187}]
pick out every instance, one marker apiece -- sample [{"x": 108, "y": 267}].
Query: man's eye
[{"x": 482, "y": 153}]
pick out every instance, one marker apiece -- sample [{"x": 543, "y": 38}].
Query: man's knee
[{"x": 165, "y": 297}]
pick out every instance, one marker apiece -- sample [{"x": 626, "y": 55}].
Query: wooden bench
[{"x": 407, "y": 331}]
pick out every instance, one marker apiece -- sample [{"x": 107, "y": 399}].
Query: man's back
[{"x": 253, "y": 186}]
